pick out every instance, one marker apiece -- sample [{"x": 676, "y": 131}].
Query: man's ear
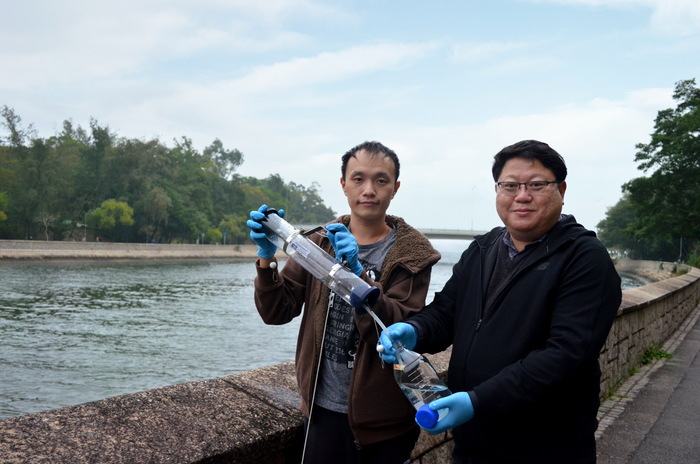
[
  {"x": 396, "y": 188},
  {"x": 562, "y": 190},
  {"x": 342, "y": 184}
]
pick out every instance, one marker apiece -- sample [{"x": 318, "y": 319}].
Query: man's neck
[{"x": 368, "y": 232}]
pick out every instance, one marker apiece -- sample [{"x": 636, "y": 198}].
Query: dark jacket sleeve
[
  {"x": 403, "y": 296},
  {"x": 279, "y": 296},
  {"x": 435, "y": 324}
]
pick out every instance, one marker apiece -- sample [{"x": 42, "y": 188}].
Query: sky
[{"x": 294, "y": 84}]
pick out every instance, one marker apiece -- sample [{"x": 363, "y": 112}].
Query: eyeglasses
[{"x": 535, "y": 187}]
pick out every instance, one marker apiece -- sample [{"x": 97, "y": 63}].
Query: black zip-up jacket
[{"x": 530, "y": 361}]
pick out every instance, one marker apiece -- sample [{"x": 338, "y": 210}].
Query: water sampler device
[{"x": 413, "y": 372}]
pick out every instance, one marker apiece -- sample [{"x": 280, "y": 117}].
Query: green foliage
[
  {"x": 177, "y": 193},
  {"x": 110, "y": 216},
  {"x": 653, "y": 353},
  {"x": 214, "y": 236},
  {"x": 225, "y": 161},
  {"x": 666, "y": 204},
  {"x": 616, "y": 232},
  {"x": 658, "y": 210},
  {"x": 3, "y": 206},
  {"x": 694, "y": 258},
  {"x": 235, "y": 228},
  {"x": 612, "y": 229}
]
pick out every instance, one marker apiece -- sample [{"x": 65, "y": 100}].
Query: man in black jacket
[{"x": 527, "y": 310}]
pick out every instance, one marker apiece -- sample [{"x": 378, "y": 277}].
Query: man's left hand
[
  {"x": 345, "y": 246},
  {"x": 460, "y": 411}
]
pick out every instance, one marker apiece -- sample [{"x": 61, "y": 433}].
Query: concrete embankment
[
  {"x": 42, "y": 250},
  {"x": 253, "y": 417}
]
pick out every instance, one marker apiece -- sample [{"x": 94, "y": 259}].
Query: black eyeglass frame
[{"x": 527, "y": 189}]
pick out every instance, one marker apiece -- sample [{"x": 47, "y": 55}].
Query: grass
[{"x": 653, "y": 353}]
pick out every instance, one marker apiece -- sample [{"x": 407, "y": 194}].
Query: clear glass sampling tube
[{"x": 319, "y": 263}]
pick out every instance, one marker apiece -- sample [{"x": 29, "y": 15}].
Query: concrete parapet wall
[
  {"x": 247, "y": 418},
  {"x": 653, "y": 271},
  {"x": 253, "y": 417},
  {"x": 647, "y": 316}
]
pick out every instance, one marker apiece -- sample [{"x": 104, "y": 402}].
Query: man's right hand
[
  {"x": 401, "y": 331},
  {"x": 266, "y": 249}
]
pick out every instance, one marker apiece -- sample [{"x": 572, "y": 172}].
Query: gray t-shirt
[{"x": 342, "y": 336}]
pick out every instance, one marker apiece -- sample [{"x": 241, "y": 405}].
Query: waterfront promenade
[
  {"x": 653, "y": 418},
  {"x": 49, "y": 250}
]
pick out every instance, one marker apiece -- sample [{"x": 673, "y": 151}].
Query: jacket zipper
[{"x": 517, "y": 274}]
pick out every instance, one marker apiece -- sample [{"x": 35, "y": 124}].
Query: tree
[
  {"x": 3, "y": 206},
  {"x": 46, "y": 219},
  {"x": 612, "y": 229},
  {"x": 109, "y": 216},
  {"x": 666, "y": 204},
  {"x": 226, "y": 161},
  {"x": 12, "y": 121},
  {"x": 235, "y": 228},
  {"x": 177, "y": 193},
  {"x": 214, "y": 236},
  {"x": 156, "y": 205},
  {"x": 33, "y": 175},
  {"x": 617, "y": 233}
]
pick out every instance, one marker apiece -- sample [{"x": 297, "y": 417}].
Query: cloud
[
  {"x": 677, "y": 16},
  {"x": 502, "y": 58},
  {"x": 446, "y": 170},
  {"x": 672, "y": 17},
  {"x": 58, "y": 43},
  {"x": 333, "y": 66},
  {"x": 475, "y": 52}
]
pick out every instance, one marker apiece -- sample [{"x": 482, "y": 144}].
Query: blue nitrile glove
[
  {"x": 345, "y": 246},
  {"x": 460, "y": 411},
  {"x": 401, "y": 331},
  {"x": 265, "y": 248}
]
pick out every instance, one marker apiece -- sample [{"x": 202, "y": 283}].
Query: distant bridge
[{"x": 451, "y": 234}]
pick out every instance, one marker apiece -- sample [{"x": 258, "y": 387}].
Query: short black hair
[
  {"x": 373, "y": 148},
  {"x": 531, "y": 150}
]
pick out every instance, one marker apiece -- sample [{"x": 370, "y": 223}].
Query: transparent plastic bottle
[{"x": 420, "y": 383}]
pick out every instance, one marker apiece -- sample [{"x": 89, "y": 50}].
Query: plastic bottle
[{"x": 420, "y": 383}]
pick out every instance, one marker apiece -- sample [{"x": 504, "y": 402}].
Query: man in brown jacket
[{"x": 355, "y": 411}]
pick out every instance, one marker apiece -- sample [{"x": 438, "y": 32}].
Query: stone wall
[
  {"x": 647, "y": 316},
  {"x": 253, "y": 417},
  {"x": 44, "y": 250}
]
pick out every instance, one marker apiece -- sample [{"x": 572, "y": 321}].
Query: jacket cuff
[
  {"x": 419, "y": 335},
  {"x": 475, "y": 401},
  {"x": 267, "y": 276}
]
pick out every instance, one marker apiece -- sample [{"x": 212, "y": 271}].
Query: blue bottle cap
[{"x": 426, "y": 417}]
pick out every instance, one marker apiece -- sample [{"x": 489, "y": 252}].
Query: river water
[{"x": 72, "y": 332}]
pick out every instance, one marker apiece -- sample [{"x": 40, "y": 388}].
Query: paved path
[{"x": 655, "y": 417}]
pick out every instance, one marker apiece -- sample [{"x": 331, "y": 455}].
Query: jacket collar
[
  {"x": 565, "y": 230},
  {"x": 411, "y": 248}
]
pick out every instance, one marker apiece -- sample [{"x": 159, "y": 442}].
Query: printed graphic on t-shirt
[{"x": 342, "y": 336}]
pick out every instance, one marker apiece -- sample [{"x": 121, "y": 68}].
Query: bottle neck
[{"x": 404, "y": 356}]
